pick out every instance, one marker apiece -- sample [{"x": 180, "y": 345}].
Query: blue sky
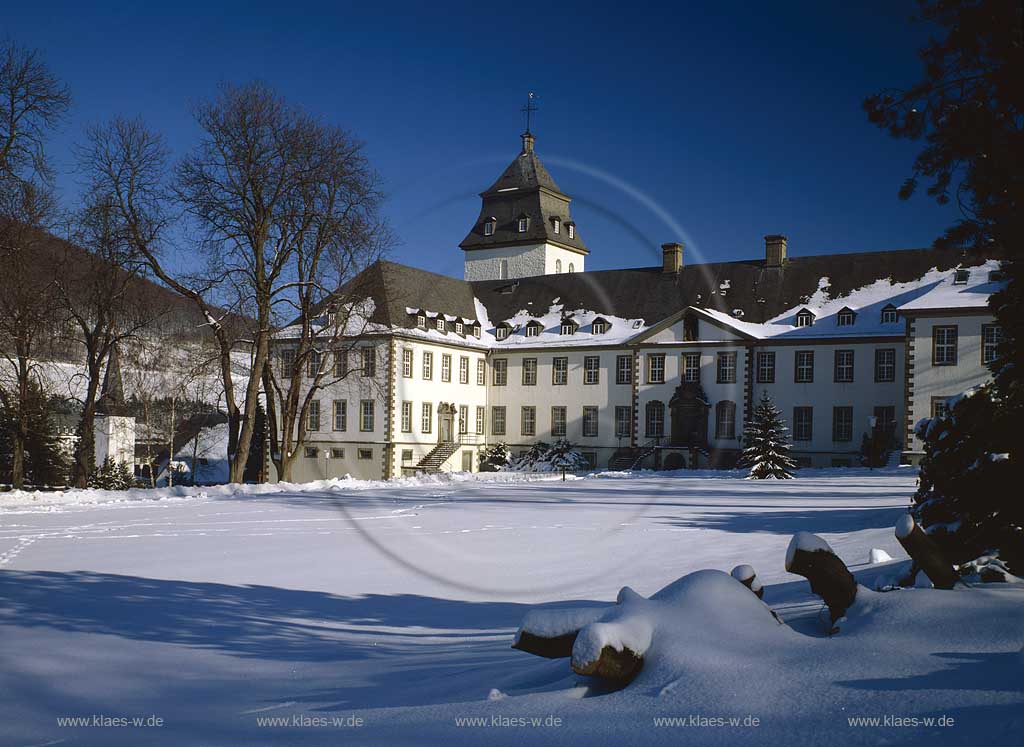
[{"x": 711, "y": 123}]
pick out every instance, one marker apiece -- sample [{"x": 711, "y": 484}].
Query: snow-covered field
[{"x": 375, "y": 613}]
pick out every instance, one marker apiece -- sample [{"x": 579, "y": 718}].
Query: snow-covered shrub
[
  {"x": 968, "y": 499},
  {"x": 544, "y": 457},
  {"x": 766, "y": 449},
  {"x": 494, "y": 458},
  {"x": 112, "y": 475}
]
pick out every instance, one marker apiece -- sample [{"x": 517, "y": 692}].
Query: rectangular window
[
  {"x": 725, "y": 420},
  {"x": 313, "y": 416},
  {"x": 340, "y": 364},
  {"x": 406, "y": 455},
  {"x": 480, "y": 419},
  {"x": 310, "y": 452},
  {"x": 499, "y": 367},
  {"x": 337, "y": 453},
  {"x": 591, "y": 369},
  {"x": 803, "y": 418},
  {"x": 407, "y": 417},
  {"x": 498, "y": 420},
  {"x": 803, "y": 366},
  {"x": 313, "y": 363},
  {"x": 940, "y": 407},
  {"x": 559, "y": 371},
  {"x": 287, "y": 362},
  {"x": 590, "y": 457},
  {"x": 529, "y": 372},
  {"x": 655, "y": 368},
  {"x": 844, "y": 366},
  {"x": 590, "y": 422},
  {"x": 655, "y": 420},
  {"x": 340, "y": 415},
  {"x": 623, "y": 421},
  {"x": 427, "y": 417},
  {"x": 944, "y": 346},
  {"x": 991, "y": 336},
  {"x": 726, "y": 368},
  {"x": 366, "y": 415},
  {"x": 463, "y": 419},
  {"x": 624, "y": 369},
  {"x": 464, "y": 369},
  {"x": 885, "y": 364},
  {"x": 364, "y": 454},
  {"x": 558, "y": 421},
  {"x": 842, "y": 423},
  {"x": 428, "y": 365},
  {"x": 528, "y": 421},
  {"x": 691, "y": 367},
  {"x": 446, "y": 367},
  {"x": 885, "y": 419},
  {"x": 766, "y": 367},
  {"x": 407, "y": 364},
  {"x": 481, "y": 372},
  {"x": 369, "y": 362}
]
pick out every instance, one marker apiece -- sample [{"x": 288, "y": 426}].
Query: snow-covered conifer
[{"x": 766, "y": 449}]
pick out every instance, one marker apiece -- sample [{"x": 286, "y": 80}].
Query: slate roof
[
  {"x": 525, "y": 188},
  {"x": 760, "y": 292}
]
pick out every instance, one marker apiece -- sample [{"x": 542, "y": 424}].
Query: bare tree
[
  {"x": 104, "y": 303},
  {"x": 267, "y": 189},
  {"x": 32, "y": 103}
]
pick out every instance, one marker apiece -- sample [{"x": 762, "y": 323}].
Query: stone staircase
[
  {"x": 894, "y": 458},
  {"x": 629, "y": 458},
  {"x": 432, "y": 462}
]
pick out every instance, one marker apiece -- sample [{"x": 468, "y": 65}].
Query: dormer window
[
  {"x": 556, "y": 225},
  {"x": 532, "y": 329},
  {"x": 421, "y": 321},
  {"x": 523, "y": 223},
  {"x": 804, "y": 318},
  {"x": 476, "y": 331},
  {"x": 489, "y": 225},
  {"x": 568, "y": 327},
  {"x": 996, "y": 276},
  {"x": 599, "y": 327},
  {"x": 960, "y": 277},
  {"x": 458, "y": 328},
  {"x": 501, "y": 333},
  {"x": 571, "y": 227},
  {"x": 439, "y": 324},
  {"x": 845, "y": 317},
  {"x": 889, "y": 314}
]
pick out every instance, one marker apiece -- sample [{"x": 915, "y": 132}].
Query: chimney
[
  {"x": 774, "y": 250},
  {"x": 671, "y": 258}
]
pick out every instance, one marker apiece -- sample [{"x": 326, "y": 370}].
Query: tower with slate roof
[{"x": 524, "y": 227}]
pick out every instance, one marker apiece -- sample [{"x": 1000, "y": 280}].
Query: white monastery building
[{"x": 654, "y": 367}]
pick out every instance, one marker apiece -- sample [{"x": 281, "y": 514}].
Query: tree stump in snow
[
  {"x": 811, "y": 557},
  {"x": 557, "y": 647},
  {"x": 746, "y": 575},
  {"x": 612, "y": 664},
  {"x": 925, "y": 553}
]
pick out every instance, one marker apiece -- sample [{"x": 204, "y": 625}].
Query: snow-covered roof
[{"x": 973, "y": 293}]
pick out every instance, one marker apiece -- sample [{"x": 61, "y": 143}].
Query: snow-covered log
[
  {"x": 811, "y": 557},
  {"x": 552, "y": 633},
  {"x": 746, "y": 575},
  {"x": 926, "y": 554},
  {"x": 611, "y": 664}
]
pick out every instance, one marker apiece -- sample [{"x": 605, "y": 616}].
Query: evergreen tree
[
  {"x": 45, "y": 462},
  {"x": 112, "y": 475},
  {"x": 967, "y": 109},
  {"x": 767, "y": 449},
  {"x": 965, "y": 499}
]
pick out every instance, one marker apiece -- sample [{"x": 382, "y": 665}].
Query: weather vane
[{"x": 529, "y": 108}]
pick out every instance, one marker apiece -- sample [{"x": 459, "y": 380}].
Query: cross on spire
[{"x": 529, "y": 108}]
